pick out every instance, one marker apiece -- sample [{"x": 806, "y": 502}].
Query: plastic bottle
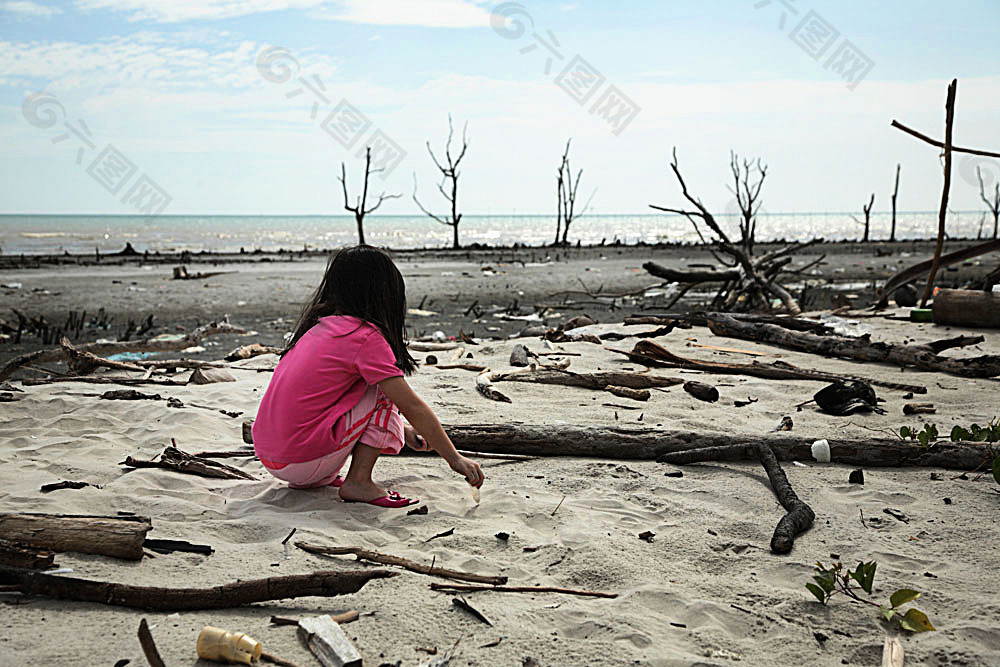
[{"x": 224, "y": 646}]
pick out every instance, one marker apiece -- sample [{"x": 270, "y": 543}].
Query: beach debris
[
  {"x": 558, "y": 506},
  {"x": 234, "y": 594},
  {"x": 647, "y": 535},
  {"x": 820, "y": 451},
  {"x": 597, "y": 380},
  {"x": 857, "y": 477},
  {"x": 649, "y": 353},
  {"x": 15, "y": 554},
  {"x": 967, "y": 308},
  {"x": 896, "y": 514},
  {"x": 210, "y": 376},
  {"x": 413, "y": 566},
  {"x": 785, "y": 424},
  {"x": 906, "y": 296},
  {"x": 251, "y": 351},
  {"x": 116, "y": 536},
  {"x": 170, "y": 546},
  {"x": 892, "y": 652},
  {"x": 484, "y": 385},
  {"x": 174, "y": 459},
  {"x": 519, "y": 355},
  {"x": 328, "y": 642},
  {"x": 418, "y": 510},
  {"x": 419, "y": 346},
  {"x": 702, "y": 391},
  {"x": 466, "y": 588},
  {"x": 673, "y": 473},
  {"x": 842, "y": 398},
  {"x": 345, "y": 617},
  {"x": 56, "y": 486},
  {"x": 477, "y": 368},
  {"x": 502, "y": 536},
  {"x": 799, "y": 516},
  {"x": 149, "y": 646},
  {"x": 221, "y": 645},
  {"x": 919, "y": 409},
  {"x": 430, "y": 360},
  {"x": 475, "y": 494},
  {"x": 861, "y": 348},
  {"x": 578, "y": 322},
  {"x": 9, "y": 397},
  {"x": 181, "y": 273},
  {"x": 128, "y": 395},
  {"x": 462, "y": 603},
  {"x": 447, "y": 533},
  {"x": 626, "y": 392},
  {"x": 289, "y": 536},
  {"x": 228, "y": 454},
  {"x": 743, "y": 404}
]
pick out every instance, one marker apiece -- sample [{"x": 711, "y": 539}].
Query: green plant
[
  {"x": 926, "y": 437},
  {"x": 976, "y": 433},
  {"x": 837, "y": 579}
]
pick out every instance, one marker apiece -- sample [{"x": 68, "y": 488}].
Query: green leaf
[
  {"x": 996, "y": 469},
  {"x": 825, "y": 581},
  {"x": 864, "y": 574},
  {"x": 902, "y": 596},
  {"x": 958, "y": 434},
  {"x": 923, "y": 438},
  {"x": 905, "y": 432},
  {"x": 818, "y": 592},
  {"x": 915, "y": 620},
  {"x": 887, "y": 612}
]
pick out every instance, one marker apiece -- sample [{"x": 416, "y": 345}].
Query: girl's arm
[{"x": 422, "y": 418}]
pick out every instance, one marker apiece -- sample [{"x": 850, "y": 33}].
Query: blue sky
[{"x": 174, "y": 87}]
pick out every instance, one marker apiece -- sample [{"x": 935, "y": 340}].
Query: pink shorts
[{"x": 374, "y": 421}]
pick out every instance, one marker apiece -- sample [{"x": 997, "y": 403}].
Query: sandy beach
[{"x": 705, "y": 591}]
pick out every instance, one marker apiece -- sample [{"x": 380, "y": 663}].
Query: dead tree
[
  {"x": 993, "y": 204},
  {"x": 449, "y": 178},
  {"x": 360, "y": 208},
  {"x": 566, "y": 198},
  {"x": 895, "y": 191},
  {"x": 868, "y": 216},
  {"x": 748, "y": 282}
]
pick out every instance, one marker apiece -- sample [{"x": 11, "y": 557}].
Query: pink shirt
[{"x": 319, "y": 380}]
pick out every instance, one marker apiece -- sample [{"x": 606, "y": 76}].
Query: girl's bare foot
[{"x": 351, "y": 491}]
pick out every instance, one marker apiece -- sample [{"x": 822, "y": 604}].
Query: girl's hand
[
  {"x": 470, "y": 470},
  {"x": 414, "y": 440}
]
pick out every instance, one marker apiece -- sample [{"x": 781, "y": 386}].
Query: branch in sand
[{"x": 412, "y": 566}]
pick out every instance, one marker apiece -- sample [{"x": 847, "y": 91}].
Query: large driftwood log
[
  {"x": 143, "y": 345},
  {"x": 118, "y": 536},
  {"x": 925, "y": 357},
  {"x": 649, "y": 353},
  {"x": 412, "y": 566},
  {"x": 324, "y": 583},
  {"x": 596, "y": 380},
  {"x": 967, "y": 308},
  {"x": 677, "y": 276}
]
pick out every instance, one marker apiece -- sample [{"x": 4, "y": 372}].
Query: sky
[{"x": 250, "y": 106}]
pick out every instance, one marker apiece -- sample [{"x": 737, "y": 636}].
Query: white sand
[{"x": 706, "y": 591}]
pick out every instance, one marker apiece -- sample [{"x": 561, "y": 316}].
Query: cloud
[
  {"x": 429, "y": 13},
  {"x": 25, "y": 9},
  {"x": 173, "y": 11}
]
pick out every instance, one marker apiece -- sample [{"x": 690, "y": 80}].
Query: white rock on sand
[{"x": 705, "y": 591}]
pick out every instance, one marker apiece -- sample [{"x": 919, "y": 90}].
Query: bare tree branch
[{"x": 359, "y": 209}]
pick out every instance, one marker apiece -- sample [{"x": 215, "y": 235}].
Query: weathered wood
[
  {"x": 328, "y": 642},
  {"x": 649, "y": 353},
  {"x": 466, "y": 588},
  {"x": 25, "y": 556},
  {"x": 967, "y": 308},
  {"x": 626, "y": 392},
  {"x": 210, "y": 376},
  {"x": 949, "y": 121},
  {"x": 910, "y": 274},
  {"x": 123, "y": 381},
  {"x": 179, "y": 461},
  {"x": 702, "y": 391},
  {"x": 412, "y": 566},
  {"x": 677, "y": 276},
  {"x": 251, "y": 351},
  {"x": 484, "y": 385},
  {"x": 149, "y": 646},
  {"x": 81, "y": 362},
  {"x": 323, "y": 583},
  {"x": 925, "y": 357},
  {"x": 120, "y": 537},
  {"x": 596, "y": 380}
]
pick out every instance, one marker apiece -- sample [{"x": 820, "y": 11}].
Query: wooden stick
[
  {"x": 149, "y": 646},
  {"x": 324, "y": 583},
  {"x": 388, "y": 559},
  {"x": 799, "y": 515},
  {"x": 179, "y": 461},
  {"x": 943, "y": 212},
  {"x": 935, "y": 142},
  {"x": 467, "y": 588}
]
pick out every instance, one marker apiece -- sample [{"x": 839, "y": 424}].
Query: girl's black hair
[{"x": 362, "y": 281}]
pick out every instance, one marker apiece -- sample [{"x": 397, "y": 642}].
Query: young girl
[{"x": 339, "y": 388}]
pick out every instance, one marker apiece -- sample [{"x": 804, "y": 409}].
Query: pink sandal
[{"x": 391, "y": 500}]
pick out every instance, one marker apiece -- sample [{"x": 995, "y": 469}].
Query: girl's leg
[{"x": 358, "y": 485}]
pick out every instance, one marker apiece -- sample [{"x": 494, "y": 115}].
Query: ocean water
[{"x": 49, "y": 234}]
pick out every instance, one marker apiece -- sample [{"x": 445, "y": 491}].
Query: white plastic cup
[{"x": 821, "y": 451}]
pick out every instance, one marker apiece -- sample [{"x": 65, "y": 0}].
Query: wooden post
[{"x": 943, "y": 212}]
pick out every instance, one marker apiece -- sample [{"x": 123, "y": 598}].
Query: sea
[{"x": 79, "y": 234}]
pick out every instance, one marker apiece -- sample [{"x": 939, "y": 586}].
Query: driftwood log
[
  {"x": 649, "y": 353},
  {"x": 179, "y": 461},
  {"x": 14, "y": 554},
  {"x": 597, "y": 380},
  {"x": 920, "y": 270},
  {"x": 799, "y": 515},
  {"x": 118, "y": 536},
  {"x": 925, "y": 357},
  {"x": 324, "y": 583},
  {"x": 412, "y": 566},
  {"x": 967, "y": 308},
  {"x": 142, "y": 345}
]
